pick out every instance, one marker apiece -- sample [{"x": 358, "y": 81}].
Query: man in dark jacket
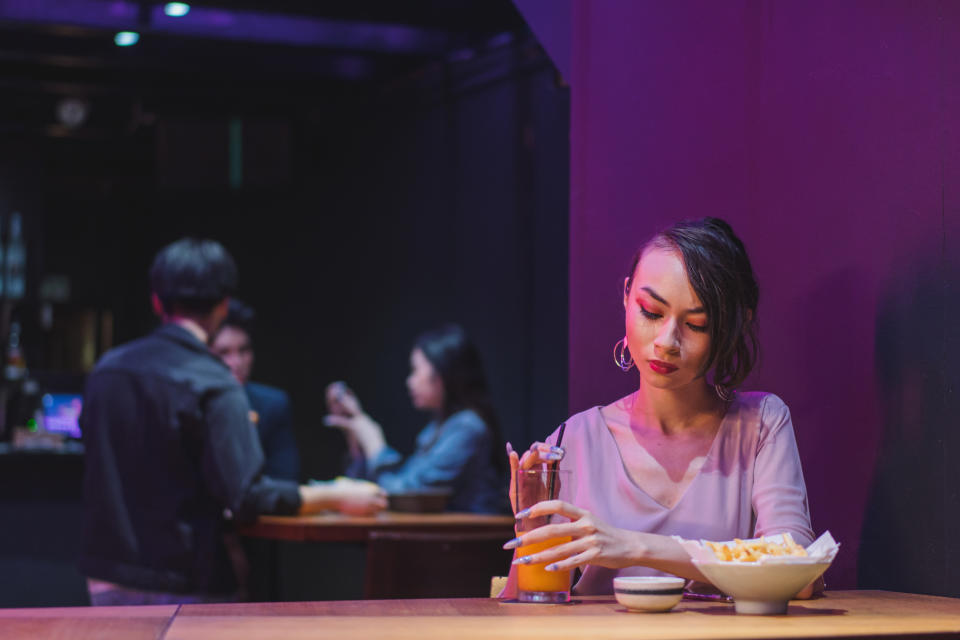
[{"x": 171, "y": 453}]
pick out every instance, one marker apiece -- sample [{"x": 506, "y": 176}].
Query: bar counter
[
  {"x": 840, "y": 614},
  {"x": 336, "y": 527}
]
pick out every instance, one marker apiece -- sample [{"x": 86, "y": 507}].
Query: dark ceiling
[{"x": 236, "y": 50}]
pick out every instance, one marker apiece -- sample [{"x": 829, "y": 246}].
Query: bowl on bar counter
[{"x": 761, "y": 582}]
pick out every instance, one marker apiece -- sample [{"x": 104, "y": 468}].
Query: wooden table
[
  {"x": 332, "y": 556},
  {"x": 841, "y": 614},
  {"x": 336, "y": 527}
]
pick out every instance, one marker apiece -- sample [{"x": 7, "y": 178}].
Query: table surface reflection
[{"x": 841, "y": 614}]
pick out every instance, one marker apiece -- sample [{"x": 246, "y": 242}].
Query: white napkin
[{"x": 823, "y": 549}]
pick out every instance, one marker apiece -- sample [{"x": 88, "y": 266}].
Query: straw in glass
[{"x": 553, "y": 465}]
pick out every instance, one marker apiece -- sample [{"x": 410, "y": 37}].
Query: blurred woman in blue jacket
[{"x": 459, "y": 449}]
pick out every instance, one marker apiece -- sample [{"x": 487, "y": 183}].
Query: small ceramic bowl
[{"x": 648, "y": 593}]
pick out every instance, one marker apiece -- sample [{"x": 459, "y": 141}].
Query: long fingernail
[
  {"x": 509, "y": 448},
  {"x": 522, "y": 560},
  {"x": 513, "y": 544},
  {"x": 553, "y": 456},
  {"x": 559, "y": 450},
  {"x": 551, "y": 567},
  {"x": 524, "y": 513}
]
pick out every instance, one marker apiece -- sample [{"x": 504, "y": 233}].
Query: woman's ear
[{"x": 626, "y": 291}]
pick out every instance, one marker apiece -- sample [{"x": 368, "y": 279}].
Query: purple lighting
[
  {"x": 250, "y": 26},
  {"x": 108, "y": 14},
  {"x": 282, "y": 29}
]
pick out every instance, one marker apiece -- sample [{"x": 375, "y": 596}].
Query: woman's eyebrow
[{"x": 656, "y": 296}]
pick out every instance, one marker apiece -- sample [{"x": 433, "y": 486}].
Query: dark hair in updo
[{"x": 720, "y": 273}]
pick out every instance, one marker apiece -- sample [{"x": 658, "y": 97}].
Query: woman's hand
[
  {"x": 352, "y": 497},
  {"x": 341, "y": 400},
  {"x": 539, "y": 453},
  {"x": 594, "y": 541},
  {"x": 359, "y": 497},
  {"x": 360, "y": 429}
]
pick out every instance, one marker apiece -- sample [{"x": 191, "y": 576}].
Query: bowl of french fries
[{"x": 762, "y": 574}]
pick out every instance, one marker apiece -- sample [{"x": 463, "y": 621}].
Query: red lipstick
[{"x": 662, "y": 367}]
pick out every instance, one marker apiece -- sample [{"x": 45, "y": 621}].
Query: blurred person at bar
[
  {"x": 685, "y": 454},
  {"x": 270, "y": 406},
  {"x": 459, "y": 448},
  {"x": 171, "y": 454}
]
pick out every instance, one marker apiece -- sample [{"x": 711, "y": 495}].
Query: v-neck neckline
[{"x": 686, "y": 490}]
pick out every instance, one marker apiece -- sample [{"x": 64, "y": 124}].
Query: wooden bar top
[
  {"x": 80, "y": 623},
  {"x": 336, "y": 527},
  {"x": 840, "y": 614}
]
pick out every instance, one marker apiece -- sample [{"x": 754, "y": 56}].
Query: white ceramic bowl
[
  {"x": 761, "y": 588},
  {"x": 648, "y": 593}
]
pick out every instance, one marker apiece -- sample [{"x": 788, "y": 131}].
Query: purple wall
[{"x": 827, "y": 134}]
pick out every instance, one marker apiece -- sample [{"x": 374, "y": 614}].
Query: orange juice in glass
[
  {"x": 534, "y": 578},
  {"x": 534, "y": 582}
]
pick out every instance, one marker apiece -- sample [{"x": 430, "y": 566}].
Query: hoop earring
[
  {"x": 619, "y": 351},
  {"x": 723, "y": 393}
]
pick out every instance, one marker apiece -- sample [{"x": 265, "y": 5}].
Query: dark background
[
  {"x": 434, "y": 190},
  {"x": 379, "y": 194}
]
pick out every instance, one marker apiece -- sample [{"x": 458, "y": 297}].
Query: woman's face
[
  {"x": 234, "y": 348},
  {"x": 665, "y": 321},
  {"x": 423, "y": 383}
]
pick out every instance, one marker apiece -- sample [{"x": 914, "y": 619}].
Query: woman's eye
[
  {"x": 649, "y": 314},
  {"x": 697, "y": 327}
]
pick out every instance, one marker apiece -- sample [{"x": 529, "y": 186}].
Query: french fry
[{"x": 753, "y": 550}]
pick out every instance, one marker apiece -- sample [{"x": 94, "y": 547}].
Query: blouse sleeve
[
  {"x": 779, "y": 493},
  {"x": 439, "y": 465}
]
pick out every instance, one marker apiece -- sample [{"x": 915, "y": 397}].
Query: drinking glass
[{"x": 534, "y": 582}]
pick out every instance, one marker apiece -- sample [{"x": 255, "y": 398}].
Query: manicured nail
[
  {"x": 509, "y": 448},
  {"x": 551, "y": 567},
  {"x": 522, "y": 560},
  {"x": 559, "y": 450},
  {"x": 524, "y": 513},
  {"x": 513, "y": 544},
  {"x": 553, "y": 456}
]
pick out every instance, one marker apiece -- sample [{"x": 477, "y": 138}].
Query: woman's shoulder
[
  {"x": 579, "y": 425},
  {"x": 764, "y": 402},
  {"x": 762, "y": 410},
  {"x": 465, "y": 419}
]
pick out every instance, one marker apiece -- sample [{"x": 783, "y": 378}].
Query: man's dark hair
[
  {"x": 720, "y": 273},
  {"x": 240, "y": 316},
  {"x": 193, "y": 275},
  {"x": 457, "y": 361}
]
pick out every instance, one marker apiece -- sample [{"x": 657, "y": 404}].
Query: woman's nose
[{"x": 668, "y": 339}]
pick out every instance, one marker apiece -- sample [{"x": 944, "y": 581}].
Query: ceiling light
[
  {"x": 176, "y": 9},
  {"x": 126, "y": 38}
]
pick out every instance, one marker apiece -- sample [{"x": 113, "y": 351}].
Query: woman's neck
[{"x": 675, "y": 410}]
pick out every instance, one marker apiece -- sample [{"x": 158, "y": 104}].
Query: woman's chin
[{"x": 667, "y": 383}]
